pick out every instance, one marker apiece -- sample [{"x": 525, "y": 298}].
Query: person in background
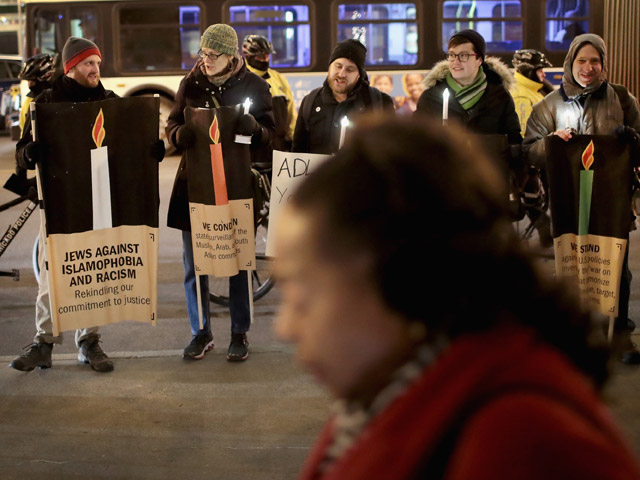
[
  {"x": 38, "y": 71},
  {"x": 530, "y": 81},
  {"x": 257, "y": 51},
  {"x": 80, "y": 83},
  {"x": 413, "y": 86},
  {"x": 494, "y": 379},
  {"x": 344, "y": 93},
  {"x": 219, "y": 78},
  {"x": 593, "y": 106},
  {"x": 479, "y": 89},
  {"x": 384, "y": 83}
]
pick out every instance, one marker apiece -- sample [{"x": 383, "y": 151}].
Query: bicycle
[
  {"x": 263, "y": 280},
  {"x": 26, "y": 189}
]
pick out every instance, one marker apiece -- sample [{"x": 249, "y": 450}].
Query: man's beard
[{"x": 258, "y": 65}]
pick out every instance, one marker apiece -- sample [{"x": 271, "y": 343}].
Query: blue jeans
[{"x": 238, "y": 295}]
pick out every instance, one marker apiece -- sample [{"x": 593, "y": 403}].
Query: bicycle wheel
[
  {"x": 34, "y": 259},
  {"x": 262, "y": 276}
]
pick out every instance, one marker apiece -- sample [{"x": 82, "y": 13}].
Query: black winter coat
[
  {"x": 64, "y": 89},
  {"x": 494, "y": 113},
  {"x": 320, "y": 133},
  {"x": 196, "y": 91}
]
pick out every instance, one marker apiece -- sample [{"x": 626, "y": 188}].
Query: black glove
[
  {"x": 157, "y": 150},
  {"x": 627, "y": 135},
  {"x": 248, "y": 125},
  {"x": 33, "y": 153},
  {"x": 185, "y": 137}
]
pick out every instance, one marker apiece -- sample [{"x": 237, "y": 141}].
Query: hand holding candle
[
  {"x": 246, "y": 139},
  {"x": 445, "y": 106}
]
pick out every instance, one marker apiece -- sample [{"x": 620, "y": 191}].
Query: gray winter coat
[{"x": 595, "y": 110}]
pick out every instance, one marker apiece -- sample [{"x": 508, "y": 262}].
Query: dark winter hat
[
  {"x": 479, "y": 45},
  {"x": 220, "y": 37},
  {"x": 76, "y": 50},
  {"x": 352, "y": 50}
]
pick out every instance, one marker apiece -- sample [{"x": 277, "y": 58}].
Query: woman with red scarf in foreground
[{"x": 489, "y": 375}]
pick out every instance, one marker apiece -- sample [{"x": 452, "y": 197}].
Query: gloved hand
[
  {"x": 157, "y": 150},
  {"x": 33, "y": 153},
  {"x": 248, "y": 125},
  {"x": 185, "y": 137},
  {"x": 627, "y": 135}
]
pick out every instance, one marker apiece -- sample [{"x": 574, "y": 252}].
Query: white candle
[
  {"x": 343, "y": 128},
  {"x": 445, "y": 106},
  {"x": 100, "y": 188},
  {"x": 246, "y": 139},
  {"x": 568, "y": 124}
]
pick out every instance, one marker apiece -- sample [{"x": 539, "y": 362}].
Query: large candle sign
[
  {"x": 100, "y": 183},
  {"x": 217, "y": 164},
  {"x": 586, "y": 189}
]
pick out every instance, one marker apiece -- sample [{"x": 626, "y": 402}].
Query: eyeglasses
[
  {"x": 211, "y": 56},
  {"x": 463, "y": 57}
]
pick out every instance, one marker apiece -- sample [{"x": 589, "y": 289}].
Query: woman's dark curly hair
[{"x": 429, "y": 209}]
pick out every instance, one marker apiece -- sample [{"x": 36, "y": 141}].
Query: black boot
[
  {"x": 91, "y": 353},
  {"x": 35, "y": 355}
]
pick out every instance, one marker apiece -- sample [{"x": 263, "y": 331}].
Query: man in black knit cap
[{"x": 345, "y": 93}]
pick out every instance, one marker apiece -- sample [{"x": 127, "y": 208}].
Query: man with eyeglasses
[{"x": 478, "y": 89}]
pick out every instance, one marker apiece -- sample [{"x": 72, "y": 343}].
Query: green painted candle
[{"x": 586, "y": 188}]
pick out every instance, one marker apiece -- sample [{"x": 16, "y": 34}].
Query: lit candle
[
  {"x": 100, "y": 183},
  {"x": 445, "y": 106},
  {"x": 586, "y": 187},
  {"x": 344, "y": 123},
  {"x": 246, "y": 139}
]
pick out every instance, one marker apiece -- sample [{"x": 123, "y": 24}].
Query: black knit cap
[
  {"x": 352, "y": 50},
  {"x": 479, "y": 45}
]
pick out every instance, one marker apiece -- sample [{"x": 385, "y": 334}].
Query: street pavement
[{"x": 158, "y": 416}]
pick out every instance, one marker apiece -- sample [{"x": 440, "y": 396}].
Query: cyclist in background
[
  {"x": 38, "y": 71},
  {"x": 530, "y": 87},
  {"x": 257, "y": 51}
]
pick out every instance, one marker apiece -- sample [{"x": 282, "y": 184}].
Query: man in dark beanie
[
  {"x": 345, "y": 93},
  {"x": 80, "y": 83}
]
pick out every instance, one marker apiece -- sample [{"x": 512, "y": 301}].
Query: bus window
[
  {"x": 84, "y": 24},
  {"x": 498, "y": 21},
  {"x": 158, "y": 37},
  {"x": 564, "y": 20},
  {"x": 287, "y": 27},
  {"x": 388, "y": 30},
  {"x": 49, "y": 28}
]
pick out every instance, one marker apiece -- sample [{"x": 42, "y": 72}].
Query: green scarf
[{"x": 468, "y": 96}]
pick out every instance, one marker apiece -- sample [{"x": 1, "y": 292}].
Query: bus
[{"x": 149, "y": 45}]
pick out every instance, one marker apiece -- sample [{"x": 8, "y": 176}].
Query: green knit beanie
[{"x": 220, "y": 37}]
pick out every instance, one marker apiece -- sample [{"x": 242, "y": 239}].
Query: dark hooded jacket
[
  {"x": 494, "y": 113},
  {"x": 64, "y": 89},
  {"x": 320, "y": 132},
  {"x": 593, "y": 110},
  {"x": 196, "y": 91}
]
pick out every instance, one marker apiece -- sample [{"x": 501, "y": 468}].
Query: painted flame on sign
[
  {"x": 98, "y": 132},
  {"x": 214, "y": 132},
  {"x": 587, "y": 156}
]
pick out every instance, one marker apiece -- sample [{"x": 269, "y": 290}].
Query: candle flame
[
  {"x": 214, "y": 131},
  {"x": 98, "y": 132},
  {"x": 587, "y": 156}
]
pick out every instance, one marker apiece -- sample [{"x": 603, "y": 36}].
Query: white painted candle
[{"x": 100, "y": 183}]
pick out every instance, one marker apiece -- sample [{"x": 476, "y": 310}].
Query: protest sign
[
  {"x": 590, "y": 197},
  {"x": 220, "y": 194},
  {"x": 289, "y": 170},
  {"x": 99, "y": 184}
]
